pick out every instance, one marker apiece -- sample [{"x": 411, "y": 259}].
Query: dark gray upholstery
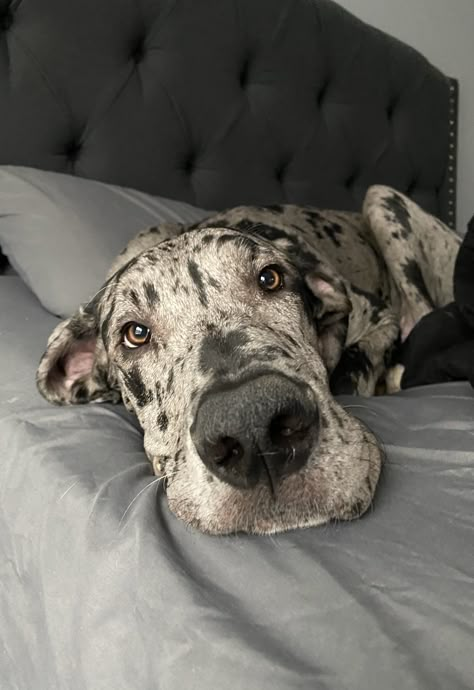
[{"x": 223, "y": 102}]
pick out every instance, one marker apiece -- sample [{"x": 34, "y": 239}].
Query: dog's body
[{"x": 239, "y": 321}]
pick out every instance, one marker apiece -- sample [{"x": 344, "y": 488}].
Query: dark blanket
[{"x": 441, "y": 346}]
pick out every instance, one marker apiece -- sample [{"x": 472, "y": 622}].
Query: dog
[{"x": 229, "y": 339}]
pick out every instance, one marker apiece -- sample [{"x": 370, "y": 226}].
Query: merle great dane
[{"x": 229, "y": 338}]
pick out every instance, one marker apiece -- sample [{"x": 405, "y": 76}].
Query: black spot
[
  {"x": 153, "y": 230},
  {"x": 197, "y": 279},
  {"x": 207, "y": 239},
  {"x": 353, "y": 364},
  {"x": 134, "y": 298},
  {"x": 333, "y": 230},
  {"x": 169, "y": 383},
  {"x": 314, "y": 218},
  {"x": 269, "y": 232},
  {"x": 400, "y": 214},
  {"x": 218, "y": 347},
  {"x": 225, "y": 239},
  {"x": 414, "y": 277},
  {"x": 245, "y": 225},
  {"x": 162, "y": 421},
  {"x": 136, "y": 387},
  {"x": 151, "y": 294},
  {"x": 159, "y": 397}
]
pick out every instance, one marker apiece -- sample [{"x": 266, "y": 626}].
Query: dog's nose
[{"x": 261, "y": 429}]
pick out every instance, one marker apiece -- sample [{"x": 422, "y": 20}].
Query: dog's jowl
[{"x": 229, "y": 339}]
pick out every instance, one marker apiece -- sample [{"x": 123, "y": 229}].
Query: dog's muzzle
[{"x": 258, "y": 430}]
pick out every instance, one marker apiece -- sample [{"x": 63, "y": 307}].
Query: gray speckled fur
[{"x": 346, "y": 294}]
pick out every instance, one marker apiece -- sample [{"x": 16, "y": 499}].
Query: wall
[{"x": 443, "y": 30}]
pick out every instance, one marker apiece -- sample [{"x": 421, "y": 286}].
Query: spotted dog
[{"x": 228, "y": 338}]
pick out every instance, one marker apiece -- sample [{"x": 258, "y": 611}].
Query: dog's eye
[
  {"x": 135, "y": 335},
  {"x": 270, "y": 278}
]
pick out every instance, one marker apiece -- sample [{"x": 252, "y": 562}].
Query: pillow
[{"x": 61, "y": 233}]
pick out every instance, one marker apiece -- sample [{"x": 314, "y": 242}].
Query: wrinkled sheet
[{"x": 102, "y": 588}]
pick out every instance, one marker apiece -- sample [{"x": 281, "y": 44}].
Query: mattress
[{"x": 102, "y": 587}]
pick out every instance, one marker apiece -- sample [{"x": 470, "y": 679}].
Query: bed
[{"x": 101, "y": 587}]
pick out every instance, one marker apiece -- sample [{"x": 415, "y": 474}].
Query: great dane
[{"x": 228, "y": 339}]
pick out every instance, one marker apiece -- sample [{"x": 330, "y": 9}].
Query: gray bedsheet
[{"x": 102, "y": 588}]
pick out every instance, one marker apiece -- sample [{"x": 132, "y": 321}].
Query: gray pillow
[{"x": 61, "y": 233}]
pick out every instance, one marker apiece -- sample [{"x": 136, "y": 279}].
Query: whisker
[{"x": 155, "y": 481}]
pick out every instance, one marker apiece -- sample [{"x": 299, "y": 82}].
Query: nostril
[{"x": 226, "y": 450}]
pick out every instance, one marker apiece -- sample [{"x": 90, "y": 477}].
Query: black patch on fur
[
  {"x": 134, "y": 297},
  {"x": 137, "y": 389},
  {"x": 314, "y": 218},
  {"x": 333, "y": 230},
  {"x": 207, "y": 239},
  {"x": 414, "y": 276},
  {"x": 276, "y": 208},
  {"x": 196, "y": 277},
  {"x": 269, "y": 232},
  {"x": 396, "y": 206},
  {"x": 217, "y": 347},
  {"x": 169, "y": 383},
  {"x": 159, "y": 398},
  {"x": 353, "y": 364},
  {"x": 151, "y": 294},
  {"x": 246, "y": 225},
  {"x": 162, "y": 421}
]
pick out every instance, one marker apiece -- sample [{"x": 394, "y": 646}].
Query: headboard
[{"x": 224, "y": 102}]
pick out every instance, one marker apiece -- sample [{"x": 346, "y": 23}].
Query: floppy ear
[
  {"x": 75, "y": 368},
  {"x": 331, "y": 308}
]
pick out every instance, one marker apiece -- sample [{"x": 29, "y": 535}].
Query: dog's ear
[
  {"x": 75, "y": 368},
  {"x": 331, "y": 306}
]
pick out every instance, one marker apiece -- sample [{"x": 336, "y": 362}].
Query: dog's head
[{"x": 221, "y": 344}]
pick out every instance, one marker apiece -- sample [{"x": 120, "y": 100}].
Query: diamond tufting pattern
[{"x": 223, "y": 102}]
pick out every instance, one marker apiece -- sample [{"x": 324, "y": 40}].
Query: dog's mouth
[{"x": 336, "y": 481}]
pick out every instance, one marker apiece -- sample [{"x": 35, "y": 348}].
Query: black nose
[{"x": 262, "y": 429}]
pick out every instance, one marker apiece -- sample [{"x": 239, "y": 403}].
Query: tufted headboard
[{"x": 224, "y": 102}]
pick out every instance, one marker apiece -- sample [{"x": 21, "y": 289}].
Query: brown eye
[
  {"x": 270, "y": 278},
  {"x": 135, "y": 335}
]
